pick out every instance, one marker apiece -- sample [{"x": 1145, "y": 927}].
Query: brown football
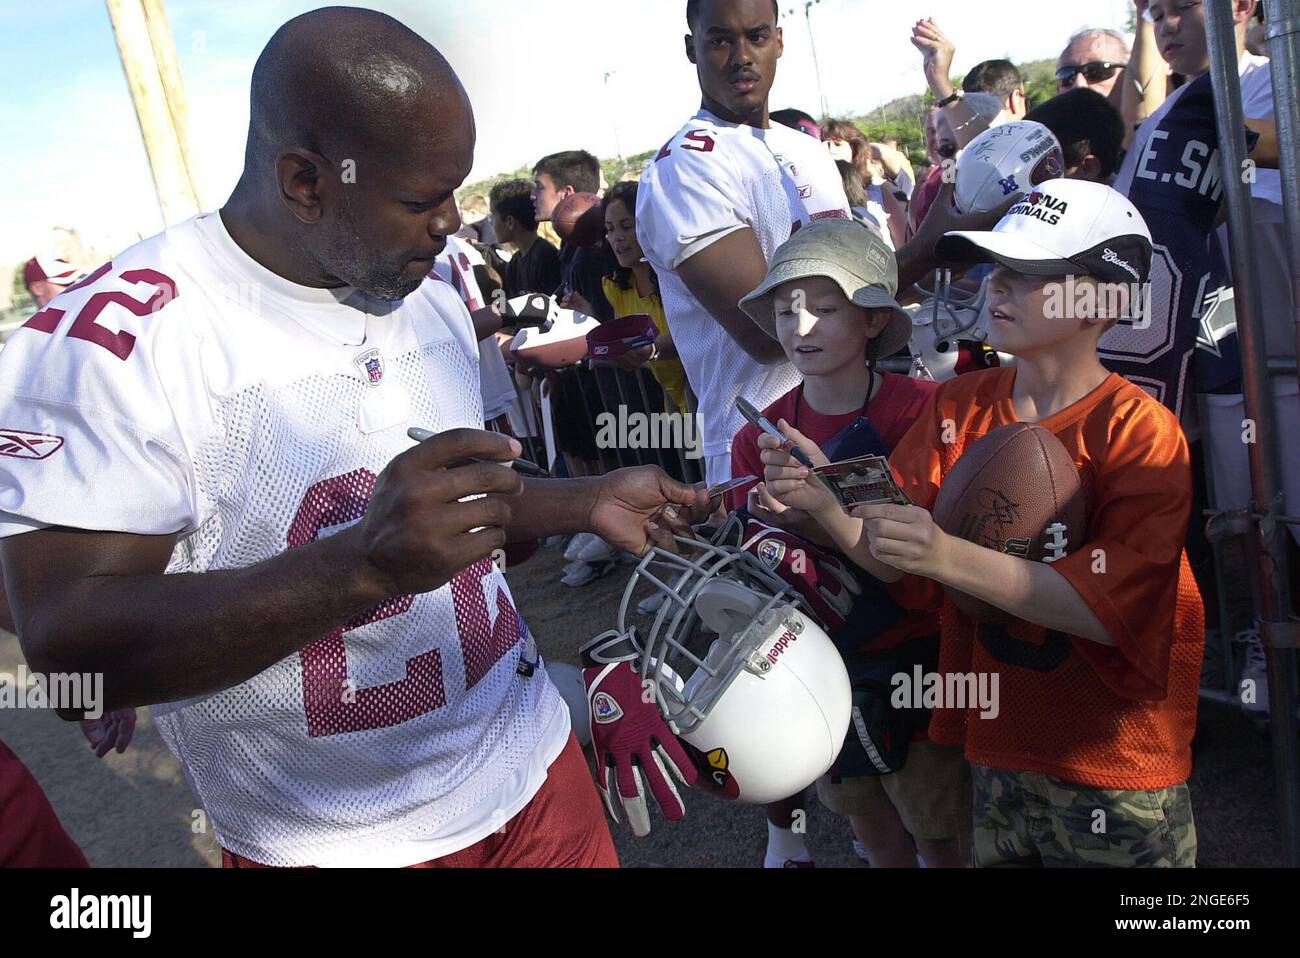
[
  {"x": 579, "y": 219},
  {"x": 1015, "y": 490}
]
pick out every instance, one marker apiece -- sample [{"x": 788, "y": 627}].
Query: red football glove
[
  {"x": 633, "y": 744},
  {"x": 826, "y": 583}
]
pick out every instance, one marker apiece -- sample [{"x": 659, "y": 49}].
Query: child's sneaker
[
  {"x": 576, "y": 545},
  {"x": 596, "y": 550},
  {"x": 585, "y": 573}
]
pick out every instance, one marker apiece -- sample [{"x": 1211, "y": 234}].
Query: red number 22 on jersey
[{"x": 86, "y": 327}]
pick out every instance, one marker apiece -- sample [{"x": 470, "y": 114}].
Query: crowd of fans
[
  {"x": 1113, "y": 92},
  {"x": 680, "y": 248}
]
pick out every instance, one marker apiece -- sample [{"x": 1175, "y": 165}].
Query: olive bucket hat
[{"x": 850, "y": 255}]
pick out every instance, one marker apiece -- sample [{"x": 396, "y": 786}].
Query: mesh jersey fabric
[
  {"x": 1103, "y": 717},
  {"x": 1172, "y": 176},
  {"x": 711, "y": 179},
  {"x": 253, "y": 416}
]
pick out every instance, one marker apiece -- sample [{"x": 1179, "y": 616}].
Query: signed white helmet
[
  {"x": 1004, "y": 162},
  {"x": 740, "y": 672}
]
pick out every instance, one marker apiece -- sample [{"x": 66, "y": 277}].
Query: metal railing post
[{"x": 1267, "y": 545}]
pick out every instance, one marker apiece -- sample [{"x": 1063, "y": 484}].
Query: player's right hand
[
  {"x": 944, "y": 217},
  {"x": 418, "y": 534}
]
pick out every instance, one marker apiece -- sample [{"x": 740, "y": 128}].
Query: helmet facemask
[{"x": 721, "y": 608}]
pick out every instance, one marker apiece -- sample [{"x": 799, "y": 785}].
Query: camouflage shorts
[{"x": 1031, "y": 819}]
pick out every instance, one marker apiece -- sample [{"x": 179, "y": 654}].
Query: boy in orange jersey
[{"x": 1086, "y": 758}]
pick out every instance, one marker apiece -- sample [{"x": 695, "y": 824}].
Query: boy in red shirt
[
  {"x": 1085, "y": 760},
  {"x": 829, "y": 299}
]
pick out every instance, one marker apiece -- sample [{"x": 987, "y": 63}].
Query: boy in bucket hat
[
  {"x": 829, "y": 300},
  {"x": 1087, "y": 757}
]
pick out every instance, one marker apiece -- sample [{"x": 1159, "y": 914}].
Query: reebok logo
[{"x": 20, "y": 444}]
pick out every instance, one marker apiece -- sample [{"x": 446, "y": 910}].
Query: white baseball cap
[{"x": 1062, "y": 228}]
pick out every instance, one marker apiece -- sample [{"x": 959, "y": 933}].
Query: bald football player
[{"x": 222, "y": 510}]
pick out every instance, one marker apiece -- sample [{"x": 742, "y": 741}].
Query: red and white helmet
[
  {"x": 946, "y": 325},
  {"x": 558, "y": 342},
  {"x": 741, "y": 672}
]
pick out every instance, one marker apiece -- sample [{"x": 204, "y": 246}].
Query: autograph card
[{"x": 862, "y": 482}]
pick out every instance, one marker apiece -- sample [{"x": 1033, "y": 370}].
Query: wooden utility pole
[{"x": 153, "y": 75}]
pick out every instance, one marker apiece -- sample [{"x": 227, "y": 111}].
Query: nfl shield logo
[
  {"x": 1009, "y": 186},
  {"x": 771, "y": 552},
  {"x": 371, "y": 365},
  {"x": 604, "y": 709}
]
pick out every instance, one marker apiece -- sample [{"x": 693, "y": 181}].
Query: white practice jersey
[
  {"x": 1257, "y": 104},
  {"x": 711, "y": 179},
  {"x": 456, "y": 266},
  {"x": 184, "y": 388}
]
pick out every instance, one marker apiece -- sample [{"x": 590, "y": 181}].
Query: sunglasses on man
[{"x": 1098, "y": 71}]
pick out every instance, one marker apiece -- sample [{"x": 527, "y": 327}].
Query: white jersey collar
[
  {"x": 708, "y": 117},
  {"x": 337, "y": 315}
]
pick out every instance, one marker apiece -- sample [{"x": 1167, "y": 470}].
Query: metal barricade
[
  {"x": 1264, "y": 523},
  {"x": 620, "y": 394}
]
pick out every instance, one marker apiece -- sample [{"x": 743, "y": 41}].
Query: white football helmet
[
  {"x": 740, "y": 672},
  {"x": 941, "y": 323},
  {"x": 1006, "y": 161}
]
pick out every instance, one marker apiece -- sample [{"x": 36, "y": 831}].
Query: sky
[{"x": 609, "y": 76}]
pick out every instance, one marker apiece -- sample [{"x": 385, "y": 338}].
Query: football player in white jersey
[
  {"x": 208, "y": 494},
  {"x": 712, "y": 208},
  {"x": 716, "y": 202}
]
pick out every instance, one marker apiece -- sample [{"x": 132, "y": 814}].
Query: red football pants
[
  {"x": 31, "y": 835},
  {"x": 562, "y": 827}
]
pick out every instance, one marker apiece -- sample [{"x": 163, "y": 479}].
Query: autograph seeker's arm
[
  {"x": 937, "y": 52},
  {"x": 99, "y": 602},
  {"x": 889, "y": 541},
  {"x": 916, "y": 258}
]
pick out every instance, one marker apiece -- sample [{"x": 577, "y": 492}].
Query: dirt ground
[{"x": 135, "y": 810}]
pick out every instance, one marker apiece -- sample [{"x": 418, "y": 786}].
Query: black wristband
[{"x": 956, "y": 95}]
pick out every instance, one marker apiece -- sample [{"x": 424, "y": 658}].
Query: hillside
[{"x": 903, "y": 119}]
